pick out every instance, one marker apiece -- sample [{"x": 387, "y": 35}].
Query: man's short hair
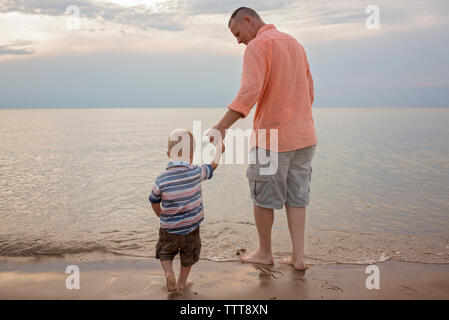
[{"x": 248, "y": 11}]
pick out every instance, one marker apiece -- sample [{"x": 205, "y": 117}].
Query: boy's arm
[
  {"x": 208, "y": 169},
  {"x": 156, "y": 208},
  {"x": 155, "y": 199},
  {"x": 217, "y": 156}
]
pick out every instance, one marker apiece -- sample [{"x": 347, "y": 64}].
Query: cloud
[
  {"x": 37, "y": 7},
  {"x": 402, "y": 64},
  {"x": 227, "y": 7},
  {"x": 18, "y": 47},
  {"x": 178, "y": 15},
  {"x": 140, "y": 16},
  {"x": 167, "y": 15}
]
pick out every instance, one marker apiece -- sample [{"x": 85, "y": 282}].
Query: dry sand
[{"x": 136, "y": 278}]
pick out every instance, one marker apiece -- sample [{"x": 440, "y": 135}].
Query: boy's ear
[{"x": 168, "y": 154}]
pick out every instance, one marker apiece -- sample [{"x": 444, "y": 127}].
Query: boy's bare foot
[
  {"x": 299, "y": 265},
  {"x": 171, "y": 282},
  {"x": 186, "y": 285},
  {"x": 256, "y": 257}
]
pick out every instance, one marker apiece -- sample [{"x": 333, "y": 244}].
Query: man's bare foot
[
  {"x": 256, "y": 257},
  {"x": 298, "y": 265},
  {"x": 186, "y": 285},
  {"x": 171, "y": 282}
]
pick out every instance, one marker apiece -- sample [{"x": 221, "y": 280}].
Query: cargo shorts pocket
[
  {"x": 304, "y": 189},
  {"x": 167, "y": 245},
  {"x": 261, "y": 186},
  {"x": 191, "y": 248},
  {"x": 310, "y": 179}
]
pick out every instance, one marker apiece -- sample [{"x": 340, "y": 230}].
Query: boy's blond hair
[{"x": 183, "y": 140}]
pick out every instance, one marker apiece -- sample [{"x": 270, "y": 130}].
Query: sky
[{"x": 156, "y": 53}]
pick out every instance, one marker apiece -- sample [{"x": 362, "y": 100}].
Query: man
[{"x": 276, "y": 75}]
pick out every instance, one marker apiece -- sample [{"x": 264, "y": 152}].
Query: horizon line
[{"x": 202, "y": 107}]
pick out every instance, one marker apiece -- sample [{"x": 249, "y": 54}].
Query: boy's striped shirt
[{"x": 178, "y": 189}]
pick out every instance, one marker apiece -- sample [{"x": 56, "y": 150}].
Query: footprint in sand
[
  {"x": 407, "y": 290},
  {"x": 266, "y": 272},
  {"x": 112, "y": 280}
]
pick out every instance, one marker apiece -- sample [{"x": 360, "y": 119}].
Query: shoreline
[{"x": 142, "y": 278}]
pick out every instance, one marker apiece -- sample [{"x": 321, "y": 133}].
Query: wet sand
[{"x": 136, "y": 278}]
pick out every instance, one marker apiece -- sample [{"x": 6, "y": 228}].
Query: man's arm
[
  {"x": 225, "y": 123},
  {"x": 256, "y": 64},
  {"x": 156, "y": 208}
]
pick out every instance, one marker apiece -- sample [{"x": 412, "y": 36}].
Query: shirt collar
[
  {"x": 181, "y": 163},
  {"x": 264, "y": 28}
]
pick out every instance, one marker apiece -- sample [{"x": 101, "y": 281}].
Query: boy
[{"x": 178, "y": 190}]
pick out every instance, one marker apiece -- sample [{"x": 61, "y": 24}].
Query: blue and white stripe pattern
[{"x": 178, "y": 189}]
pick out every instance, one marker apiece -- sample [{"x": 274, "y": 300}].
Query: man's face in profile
[{"x": 241, "y": 29}]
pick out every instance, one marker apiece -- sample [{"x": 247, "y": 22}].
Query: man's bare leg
[
  {"x": 183, "y": 275},
  {"x": 264, "y": 222},
  {"x": 296, "y": 217},
  {"x": 167, "y": 265}
]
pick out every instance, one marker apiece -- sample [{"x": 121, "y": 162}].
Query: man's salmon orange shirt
[{"x": 276, "y": 75}]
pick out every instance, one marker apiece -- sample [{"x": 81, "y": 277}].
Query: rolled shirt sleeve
[
  {"x": 255, "y": 68},
  {"x": 310, "y": 80},
  {"x": 206, "y": 172}
]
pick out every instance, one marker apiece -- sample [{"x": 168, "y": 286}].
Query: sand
[{"x": 138, "y": 278}]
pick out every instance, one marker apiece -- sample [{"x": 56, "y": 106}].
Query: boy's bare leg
[
  {"x": 183, "y": 275},
  {"x": 170, "y": 278},
  {"x": 264, "y": 222},
  {"x": 296, "y": 217}
]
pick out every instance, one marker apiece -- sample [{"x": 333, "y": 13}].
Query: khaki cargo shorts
[
  {"x": 188, "y": 245},
  {"x": 289, "y": 182}
]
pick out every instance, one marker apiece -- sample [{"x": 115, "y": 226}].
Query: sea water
[{"x": 77, "y": 181}]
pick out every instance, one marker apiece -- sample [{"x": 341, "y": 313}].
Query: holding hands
[{"x": 216, "y": 137}]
